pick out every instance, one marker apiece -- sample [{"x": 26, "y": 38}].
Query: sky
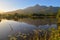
[{"x": 9, "y": 5}]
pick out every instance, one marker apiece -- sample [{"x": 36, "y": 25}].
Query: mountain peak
[
  {"x": 37, "y": 9},
  {"x": 37, "y": 5}
]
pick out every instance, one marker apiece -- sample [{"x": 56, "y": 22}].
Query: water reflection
[
  {"x": 47, "y": 26},
  {"x": 9, "y": 27}
]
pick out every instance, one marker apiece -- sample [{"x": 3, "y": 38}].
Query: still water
[{"x": 8, "y": 27}]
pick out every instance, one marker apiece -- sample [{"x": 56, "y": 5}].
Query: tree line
[{"x": 17, "y": 16}]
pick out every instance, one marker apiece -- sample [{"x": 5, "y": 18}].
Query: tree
[{"x": 58, "y": 19}]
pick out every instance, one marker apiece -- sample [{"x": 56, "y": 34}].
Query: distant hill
[{"x": 36, "y": 9}]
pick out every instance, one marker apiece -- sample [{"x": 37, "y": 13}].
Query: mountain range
[{"x": 36, "y": 9}]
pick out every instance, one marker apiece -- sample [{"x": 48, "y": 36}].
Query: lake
[{"x": 9, "y": 27}]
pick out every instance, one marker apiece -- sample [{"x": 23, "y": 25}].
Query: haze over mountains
[{"x": 36, "y": 9}]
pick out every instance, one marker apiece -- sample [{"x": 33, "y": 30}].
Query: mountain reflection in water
[{"x": 6, "y": 27}]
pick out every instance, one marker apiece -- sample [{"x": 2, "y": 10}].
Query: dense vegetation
[
  {"x": 17, "y": 16},
  {"x": 51, "y": 34}
]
